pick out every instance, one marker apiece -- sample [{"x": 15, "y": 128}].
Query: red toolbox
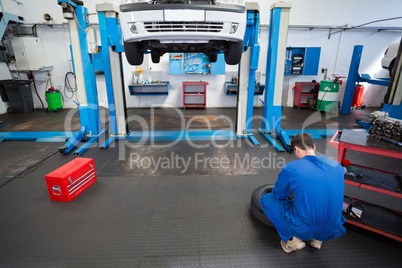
[{"x": 68, "y": 181}]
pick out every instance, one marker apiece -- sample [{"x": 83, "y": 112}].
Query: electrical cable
[
  {"x": 37, "y": 94},
  {"x": 29, "y": 169}
]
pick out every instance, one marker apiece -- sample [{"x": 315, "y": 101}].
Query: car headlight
[
  {"x": 235, "y": 2},
  {"x": 135, "y": 1},
  {"x": 133, "y": 27}
]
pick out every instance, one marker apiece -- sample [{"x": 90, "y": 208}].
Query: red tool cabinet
[
  {"x": 198, "y": 95},
  {"x": 68, "y": 181},
  {"x": 299, "y": 92}
]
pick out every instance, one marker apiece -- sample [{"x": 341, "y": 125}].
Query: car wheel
[
  {"x": 133, "y": 53},
  {"x": 213, "y": 57},
  {"x": 256, "y": 208},
  {"x": 156, "y": 57},
  {"x": 233, "y": 54}
]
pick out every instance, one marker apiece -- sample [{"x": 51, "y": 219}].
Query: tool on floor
[
  {"x": 54, "y": 100},
  {"x": 68, "y": 181}
]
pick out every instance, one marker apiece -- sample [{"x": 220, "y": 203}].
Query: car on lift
[
  {"x": 388, "y": 61},
  {"x": 183, "y": 26}
]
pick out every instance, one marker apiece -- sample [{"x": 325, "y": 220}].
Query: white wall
[{"x": 336, "y": 52}]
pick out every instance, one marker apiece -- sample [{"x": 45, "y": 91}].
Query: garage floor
[{"x": 138, "y": 215}]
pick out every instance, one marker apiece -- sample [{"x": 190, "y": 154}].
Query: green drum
[
  {"x": 54, "y": 100},
  {"x": 328, "y": 96}
]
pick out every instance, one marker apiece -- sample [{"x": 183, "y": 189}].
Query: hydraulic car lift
[
  {"x": 393, "y": 100},
  {"x": 38, "y": 136},
  {"x": 112, "y": 47},
  {"x": 248, "y": 67},
  {"x": 354, "y": 77},
  {"x": 272, "y": 113},
  {"x": 86, "y": 83},
  {"x": 111, "y": 38}
]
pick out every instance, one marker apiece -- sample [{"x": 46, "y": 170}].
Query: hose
[
  {"x": 29, "y": 169},
  {"x": 68, "y": 87},
  {"x": 37, "y": 94}
]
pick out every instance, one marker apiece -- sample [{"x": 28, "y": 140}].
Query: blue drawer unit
[{"x": 302, "y": 60}]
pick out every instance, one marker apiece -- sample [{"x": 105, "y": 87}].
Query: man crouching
[{"x": 315, "y": 213}]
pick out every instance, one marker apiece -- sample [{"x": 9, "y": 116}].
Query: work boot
[
  {"x": 292, "y": 245},
  {"x": 315, "y": 243}
]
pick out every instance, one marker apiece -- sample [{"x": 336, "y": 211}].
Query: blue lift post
[
  {"x": 354, "y": 77},
  {"x": 85, "y": 71},
  {"x": 272, "y": 113},
  {"x": 112, "y": 42},
  {"x": 251, "y": 42}
]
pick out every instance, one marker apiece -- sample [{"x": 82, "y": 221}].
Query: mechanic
[{"x": 306, "y": 202}]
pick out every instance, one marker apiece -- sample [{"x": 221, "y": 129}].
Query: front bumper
[{"x": 205, "y": 24}]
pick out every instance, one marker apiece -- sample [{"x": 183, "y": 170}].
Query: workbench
[{"x": 360, "y": 140}]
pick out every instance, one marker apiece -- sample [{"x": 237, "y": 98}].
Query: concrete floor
[{"x": 137, "y": 215}]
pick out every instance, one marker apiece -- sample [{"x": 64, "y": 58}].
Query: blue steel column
[
  {"x": 106, "y": 69},
  {"x": 352, "y": 79},
  {"x": 89, "y": 115},
  {"x": 255, "y": 53},
  {"x": 271, "y": 114}
]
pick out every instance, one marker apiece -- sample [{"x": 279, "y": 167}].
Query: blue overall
[{"x": 316, "y": 209}]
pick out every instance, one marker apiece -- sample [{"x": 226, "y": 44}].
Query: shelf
[
  {"x": 194, "y": 94},
  {"x": 136, "y": 89},
  {"x": 311, "y": 91},
  {"x": 194, "y": 105},
  {"x": 195, "y": 83},
  {"x": 258, "y": 89}
]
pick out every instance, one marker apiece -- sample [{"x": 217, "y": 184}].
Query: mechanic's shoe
[
  {"x": 315, "y": 243},
  {"x": 292, "y": 245}
]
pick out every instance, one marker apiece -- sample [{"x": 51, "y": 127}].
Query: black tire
[
  {"x": 133, "y": 54},
  {"x": 156, "y": 57},
  {"x": 234, "y": 52},
  {"x": 256, "y": 208},
  {"x": 213, "y": 57}
]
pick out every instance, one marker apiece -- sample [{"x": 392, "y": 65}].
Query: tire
[
  {"x": 133, "y": 54},
  {"x": 234, "y": 52},
  {"x": 213, "y": 57},
  {"x": 156, "y": 57},
  {"x": 256, "y": 208}
]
